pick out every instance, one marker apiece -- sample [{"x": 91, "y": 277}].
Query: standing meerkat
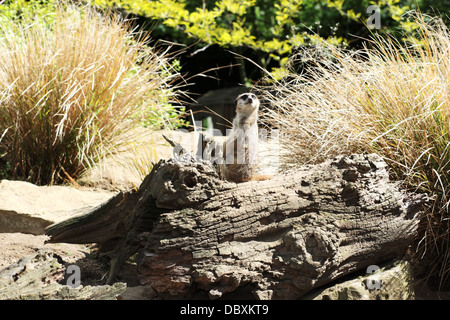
[{"x": 240, "y": 150}]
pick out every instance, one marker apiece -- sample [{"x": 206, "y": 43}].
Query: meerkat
[{"x": 240, "y": 150}]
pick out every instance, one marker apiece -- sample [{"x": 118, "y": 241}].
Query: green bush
[
  {"x": 71, "y": 86},
  {"x": 273, "y": 29}
]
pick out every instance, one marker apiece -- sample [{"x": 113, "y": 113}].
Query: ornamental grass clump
[
  {"x": 391, "y": 98},
  {"x": 70, "y": 90}
]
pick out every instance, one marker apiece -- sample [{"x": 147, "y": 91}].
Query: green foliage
[
  {"x": 275, "y": 28},
  {"x": 261, "y": 25},
  {"x": 27, "y": 9}
]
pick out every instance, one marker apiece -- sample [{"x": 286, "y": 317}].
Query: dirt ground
[{"x": 14, "y": 246}]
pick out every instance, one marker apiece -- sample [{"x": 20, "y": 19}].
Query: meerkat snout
[
  {"x": 247, "y": 101},
  {"x": 247, "y": 97}
]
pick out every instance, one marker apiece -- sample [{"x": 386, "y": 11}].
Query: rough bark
[{"x": 274, "y": 239}]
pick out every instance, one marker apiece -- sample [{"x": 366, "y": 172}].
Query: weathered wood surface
[{"x": 276, "y": 239}]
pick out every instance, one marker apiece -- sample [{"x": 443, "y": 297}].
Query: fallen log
[{"x": 198, "y": 235}]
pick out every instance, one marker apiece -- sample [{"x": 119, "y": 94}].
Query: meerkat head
[{"x": 246, "y": 102}]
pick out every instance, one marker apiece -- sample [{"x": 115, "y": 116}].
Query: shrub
[
  {"x": 393, "y": 99},
  {"x": 266, "y": 29},
  {"x": 71, "y": 88}
]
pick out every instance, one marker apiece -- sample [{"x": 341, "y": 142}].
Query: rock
[
  {"x": 393, "y": 281},
  {"x": 27, "y": 208},
  {"x": 14, "y": 246},
  {"x": 40, "y": 276}
]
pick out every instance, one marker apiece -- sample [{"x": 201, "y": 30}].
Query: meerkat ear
[{"x": 235, "y": 102}]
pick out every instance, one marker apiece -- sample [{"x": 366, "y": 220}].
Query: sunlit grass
[
  {"x": 71, "y": 90},
  {"x": 391, "y": 98}
]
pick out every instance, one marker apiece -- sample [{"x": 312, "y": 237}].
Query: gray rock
[
  {"x": 27, "y": 208},
  {"x": 38, "y": 277}
]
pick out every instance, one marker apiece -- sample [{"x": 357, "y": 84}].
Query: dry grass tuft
[
  {"x": 70, "y": 90},
  {"x": 392, "y": 99}
]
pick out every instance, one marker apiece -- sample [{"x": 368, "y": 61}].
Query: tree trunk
[{"x": 277, "y": 239}]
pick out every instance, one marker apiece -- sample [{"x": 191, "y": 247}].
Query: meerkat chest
[
  {"x": 247, "y": 131},
  {"x": 245, "y": 121}
]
